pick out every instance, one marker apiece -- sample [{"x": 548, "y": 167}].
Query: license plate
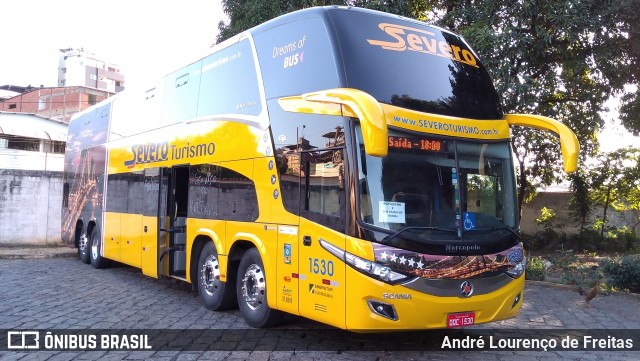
[{"x": 461, "y": 319}]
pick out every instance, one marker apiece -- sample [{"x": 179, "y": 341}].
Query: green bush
[
  {"x": 584, "y": 276},
  {"x": 535, "y": 269},
  {"x": 564, "y": 259},
  {"x": 622, "y": 239},
  {"x": 548, "y": 219},
  {"x": 624, "y": 273}
]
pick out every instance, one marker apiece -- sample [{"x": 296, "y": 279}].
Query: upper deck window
[
  {"x": 296, "y": 58},
  {"x": 414, "y": 66},
  {"x": 229, "y": 82}
]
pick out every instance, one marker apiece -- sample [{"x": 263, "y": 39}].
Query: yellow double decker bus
[{"x": 345, "y": 165}]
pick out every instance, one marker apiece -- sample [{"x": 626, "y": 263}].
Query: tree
[
  {"x": 615, "y": 182},
  {"x": 409, "y": 8},
  {"x": 559, "y": 58},
  {"x": 629, "y": 22},
  {"x": 580, "y": 203}
]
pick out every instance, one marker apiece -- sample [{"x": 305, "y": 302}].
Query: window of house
[
  {"x": 58, "y": 147},
  {"x": 22, "y": 143}
]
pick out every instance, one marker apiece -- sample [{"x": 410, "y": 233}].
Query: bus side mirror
[
  {"x": 568, "y": 140},
  {"x": 352, "y": 103}
]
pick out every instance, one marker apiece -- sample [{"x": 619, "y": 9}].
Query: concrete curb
[
  {"x": 575, "y": 289},
  {"x": 37, "y": 252}
]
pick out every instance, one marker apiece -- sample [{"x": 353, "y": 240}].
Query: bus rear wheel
[
  {"x": 95, "y": 248},
  {"x": 83, "y": 249},
  {"x": 252, "y": 292},
  {"x": 215, "y": 294}
]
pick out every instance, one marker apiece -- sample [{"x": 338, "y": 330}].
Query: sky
[{"x": 147, "y": 39}]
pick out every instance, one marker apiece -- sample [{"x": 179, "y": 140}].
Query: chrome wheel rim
[
  {"x": 82, "y": 244},
  {"x": 210, "y": 275},
  {"x": 253, "y": 287},
  {"x": 94, "y": 248}
]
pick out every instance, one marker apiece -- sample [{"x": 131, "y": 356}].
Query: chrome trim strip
[{"x": 451, "y": 287}]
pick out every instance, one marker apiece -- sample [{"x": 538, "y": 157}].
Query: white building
[
  {"x": 80, "y": 68},
  {"x": 31, "y": 142}
]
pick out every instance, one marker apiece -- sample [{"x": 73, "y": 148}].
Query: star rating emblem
[
  {"x": 403, "y": 260},
  {"x": 411, "y": 262},
  {"x": 393, "y": 257},
  {"x": 420, "y": 264},
  {"x": 383, "y": 256}
]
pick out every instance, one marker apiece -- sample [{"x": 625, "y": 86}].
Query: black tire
[
  {"x": 83, "y": 249},
  {"x": 215, "y": 294},
  {"x": 97, "y": 261},
  {"x": 251, "y": 288}
]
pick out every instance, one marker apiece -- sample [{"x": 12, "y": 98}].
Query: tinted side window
[
  {"x": 181, "y": 94},
  {"x": 125, "y": 193},
  {"x": 297, "y": 131},
  {"x": 117, "y": 190},
  {"x": 136, "y": 111},
  {"x": 288, "y": 164},
  {"x": 229, "y": 82},
  {"x": 323, "y": 182},
  {"x": 204, "y": 184},
  {"x": 89, "y": 129},
  {"x": 65, "y": 195},
  {"x": 151, "y": 189},
  {"x": 238, "y": 198},
  {"x": 296, "y": 58},
  {"x": 294, "y": 133},
  {"x": 135, "y": 192}
]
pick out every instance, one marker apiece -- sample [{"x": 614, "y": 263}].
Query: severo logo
[{"x": 422, "y": 41}]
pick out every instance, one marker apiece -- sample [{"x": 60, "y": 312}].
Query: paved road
[{"x": 63, "y": 293}]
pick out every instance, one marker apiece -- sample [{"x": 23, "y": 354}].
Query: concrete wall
[
  {"x": 27, "y": 160},
  {"x": 30, "y": 207},
  {"x": 559, "y": 202}
]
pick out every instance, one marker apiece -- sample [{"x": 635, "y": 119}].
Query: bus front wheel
[
  {"x": 252, "y": 292},
  {"x": 215, "y": 294}
]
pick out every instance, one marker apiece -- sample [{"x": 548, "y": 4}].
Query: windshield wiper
[
  {"x": 491, "y": 229},
  {"x": 396, "y": 234}
]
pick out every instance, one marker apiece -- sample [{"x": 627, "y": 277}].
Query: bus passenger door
[{"x": 172, "y": 221}]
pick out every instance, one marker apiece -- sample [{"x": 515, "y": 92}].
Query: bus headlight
[
  {"x": 518, "y": 269},
  {"x": 370, "y": 268}
]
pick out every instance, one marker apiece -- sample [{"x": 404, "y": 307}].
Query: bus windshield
[
  {"x": 414, "y": 66},
  {"x": 438, "y": 188}
]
